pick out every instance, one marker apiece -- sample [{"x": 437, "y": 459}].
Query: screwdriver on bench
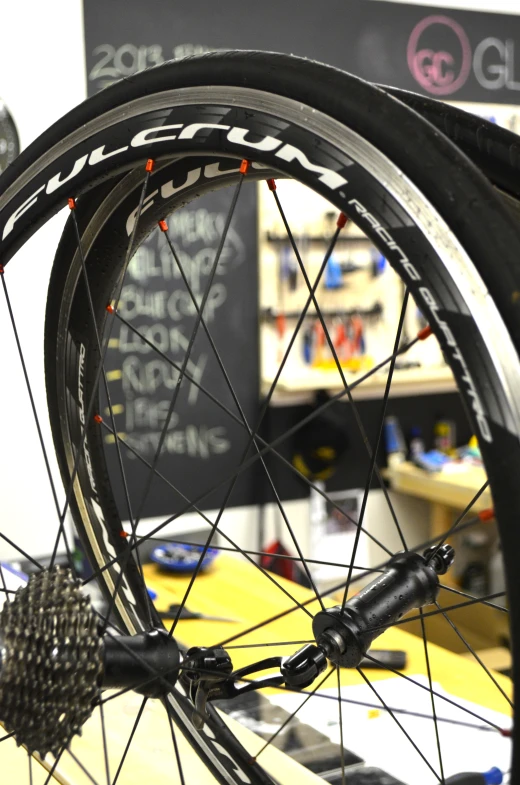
[
  {"x": 172, "y": 611},
  {"x": 492, "y": 777}
]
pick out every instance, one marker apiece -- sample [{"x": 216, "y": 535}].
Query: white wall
[{"x": 41, "y": 77}]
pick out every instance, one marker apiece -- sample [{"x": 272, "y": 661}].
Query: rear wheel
[{"x": 431, "y": 214}]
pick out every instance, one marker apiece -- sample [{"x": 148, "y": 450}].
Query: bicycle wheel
[{"x": 431, "y": 213}]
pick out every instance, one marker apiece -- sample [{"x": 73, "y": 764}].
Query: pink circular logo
[{"x": 439, "y": 72}]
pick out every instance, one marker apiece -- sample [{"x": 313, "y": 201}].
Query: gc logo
[{"x": 437, "y": 70}]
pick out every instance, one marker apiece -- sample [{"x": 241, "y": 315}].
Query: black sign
[
  {"x": 451, "y": 54},
  {"x": 203, "y": 444}
]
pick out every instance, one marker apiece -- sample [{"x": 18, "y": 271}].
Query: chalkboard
[{"x": 203, "y": 443}]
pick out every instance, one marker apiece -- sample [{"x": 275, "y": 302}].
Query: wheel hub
[{"x": 409, "y": 581}]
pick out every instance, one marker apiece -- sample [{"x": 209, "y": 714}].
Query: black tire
[
  {"x": 494, "y": 150},
  {"x": 476, "y": 224}
]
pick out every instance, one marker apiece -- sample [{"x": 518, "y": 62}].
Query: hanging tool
[
  {"x": 308, "y": 335},
  {"x": 319, "y": 343},
  {"x": 341, "y": 343},
  {"x": 386, "y": 658},
  {"x": 356, "y": 335},
  {"x": 375, "y": 312},
  {"x": 280, "y": 316},
  {"x": 333, "y": 274},
  {"x": 375, "y": 267},
  {"x": 289, "y": 267}
]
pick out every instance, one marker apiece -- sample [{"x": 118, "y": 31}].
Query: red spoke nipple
[
  {"x": 424, "y": 333},
  {"x": 271, "y": 184},
  {"x": 98, "y": 418},
  {"x": 244, "y": 166},
  {"x": 72, "y": 203},
  {"x": 487, "y": 515},
  {"x": 163, "y": 226},
  {"x": 150, "y": 165},
  {"x": 110, "y": 308},
  {"x": 342, "y": 220},
  {"x": 123, "y": 534}
]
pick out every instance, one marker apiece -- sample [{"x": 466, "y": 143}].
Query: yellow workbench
[{"x": 233, "y": 588}]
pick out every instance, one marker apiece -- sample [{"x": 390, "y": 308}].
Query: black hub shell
[
  {"x": 408, "y": 582},
  {"x": 147, "y": 663}
]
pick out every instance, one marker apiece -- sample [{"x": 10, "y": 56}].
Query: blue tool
[
  {"x": 308, "y": 337},
  {"x": 333, "y": 274},
  {"x": 182, "y": 558},
  {"x": 492, "y": 777}
]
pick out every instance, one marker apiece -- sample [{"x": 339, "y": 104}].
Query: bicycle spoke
[
  {"x": 198, "y": 311},
  {"x": 340, "y": 718},
  {"x": 391, "y": 713},
  {"x": 471, "y": 597},
  {"x": 263, "y": 645},
  {"x": 177, "y": 756},
  {"x": 434, "y": 713},
  {"x": 375, "y": 449},
  {"x": 464, "y": 512},
  {"x": 21, "y": 551},
  {"x": 475, "y": 655},
  {"x": 105, "y": 745},
  {"x": 82, "y": 767},
  {"x": 53, "y": 767},
  {"x": 29, "y": 758},
  {"x": 293, "y": 715},
  {"x": 4, "y": 588},
  {"x": 130, "y": 739}
]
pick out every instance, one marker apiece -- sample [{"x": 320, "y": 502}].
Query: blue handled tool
[{"x": 492, "y": 777}]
